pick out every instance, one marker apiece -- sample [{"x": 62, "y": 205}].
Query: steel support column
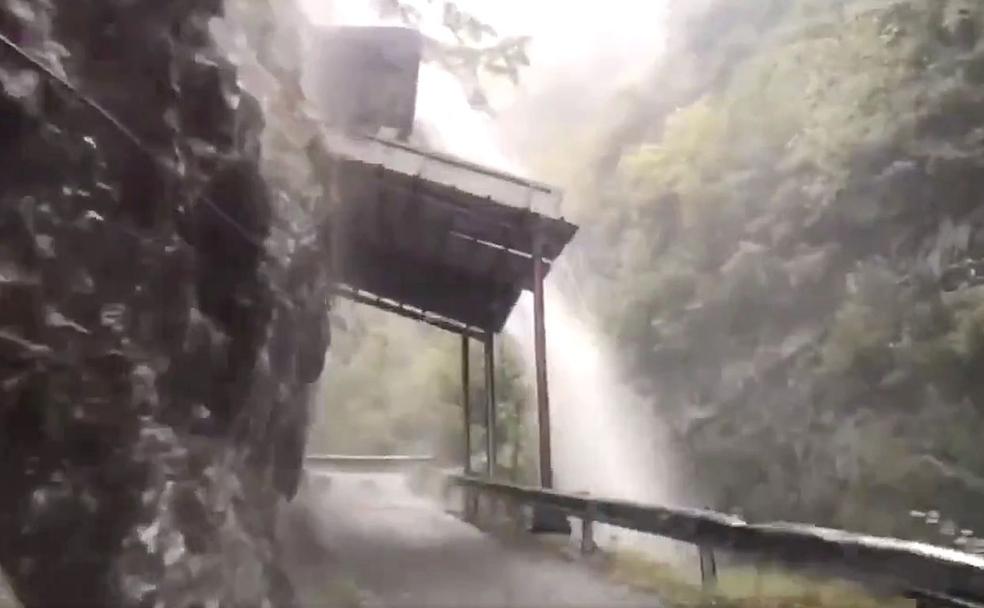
[
  {"x": 540, "y": 347},
  {"x": 490, "y": 422},
  {"x": 466, "y": 403}
]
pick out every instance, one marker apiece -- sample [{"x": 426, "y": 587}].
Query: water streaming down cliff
[{"x": 607, "y": 440}]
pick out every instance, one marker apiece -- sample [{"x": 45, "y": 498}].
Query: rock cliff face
[{"x": 160, "y": 322}]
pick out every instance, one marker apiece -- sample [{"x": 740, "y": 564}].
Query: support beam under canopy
[
  {"x": 490, "y": 406},
  {"x": 466, "y": 404},
  {"x": 436, "y": 234}
]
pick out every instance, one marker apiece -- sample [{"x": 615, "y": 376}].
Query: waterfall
[{"x": 606, "y": 439}]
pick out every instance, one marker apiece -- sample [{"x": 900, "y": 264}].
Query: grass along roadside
[
  {"x": 332, "y": 592},
  {"x": 743, "y": 587}
]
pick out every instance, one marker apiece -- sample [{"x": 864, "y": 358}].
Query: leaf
[
  {"x": 503, "y": 70},
  {"x": 521, "y": 57}
]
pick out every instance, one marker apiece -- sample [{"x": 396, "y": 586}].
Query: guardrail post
[
  {"x": 502, "y": 510},
  {"x": 588, "y": 545},
  {"x": 587, "y": 518},
  {"x": 708, "y": 567},
  {"x": 516, "y": 515},
  {"x": 471, "y": 504}
]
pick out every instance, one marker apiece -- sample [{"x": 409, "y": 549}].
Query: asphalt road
[{"x": 404, "y": 551}]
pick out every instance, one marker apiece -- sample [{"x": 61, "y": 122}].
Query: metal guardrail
[
  {"x": 347, "y": 462},
  {"x": 348, "y": 458},
  {"x": 930, "y": 574}
]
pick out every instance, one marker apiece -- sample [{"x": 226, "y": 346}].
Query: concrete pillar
[
  {"x": 490, "y": 406},
  {"x": 466, "y": 403},
  {"x": 540, "y": 347}
]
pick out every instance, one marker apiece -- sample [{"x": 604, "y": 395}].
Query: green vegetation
[
  {"x": 395, "y": 388},
  {"x": 333, "y": 591},
  {"x": 744, "y": 587},
  {"x": 795, "y": 231}
]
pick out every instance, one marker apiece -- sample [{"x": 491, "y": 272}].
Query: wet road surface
[{"x": 405, "y": 552}]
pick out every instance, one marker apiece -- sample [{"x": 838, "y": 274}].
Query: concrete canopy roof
[{"x": 436, "y": 238}]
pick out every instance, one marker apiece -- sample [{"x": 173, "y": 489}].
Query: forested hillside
[
  {"x": 790, "y": 210},
  {"x": 393, "y": 386}
]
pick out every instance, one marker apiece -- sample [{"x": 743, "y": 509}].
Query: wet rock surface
[{"x": 159, "y": 325}]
